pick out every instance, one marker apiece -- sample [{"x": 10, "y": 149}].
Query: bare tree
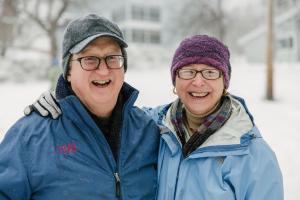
[
  {"x": 203, "y": 16},
  {"x": 47, "y": 14},
  {"x": 8, "y": 15}
]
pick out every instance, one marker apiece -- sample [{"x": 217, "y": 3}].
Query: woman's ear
[{"x": 174, "y": 90}]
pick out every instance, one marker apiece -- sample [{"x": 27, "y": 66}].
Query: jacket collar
[
  {"x": 73, "y": 108},
  {"x": 231, "y": 139}
]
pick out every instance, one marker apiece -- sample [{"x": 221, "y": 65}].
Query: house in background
[
  {"x": 286, "y": 35},
  {"x": 139, "y": 21},
  {"x": 142, "y": 25}
]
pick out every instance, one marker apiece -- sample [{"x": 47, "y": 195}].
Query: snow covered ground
[{"x": 277, "y": 119}]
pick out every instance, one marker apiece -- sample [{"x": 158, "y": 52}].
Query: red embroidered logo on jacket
[{"x": 66, "y": 148}]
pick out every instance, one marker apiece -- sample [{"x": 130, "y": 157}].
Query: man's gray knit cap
[{"x": 81, "y": 31}]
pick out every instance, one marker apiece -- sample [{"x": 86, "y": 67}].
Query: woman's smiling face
[{"x": 198, "y": 94}]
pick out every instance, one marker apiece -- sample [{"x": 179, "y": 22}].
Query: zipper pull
[{"x": 118, "y": 189}]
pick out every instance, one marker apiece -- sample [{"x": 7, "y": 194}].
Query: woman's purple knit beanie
[{"x": 202, "y": 49}]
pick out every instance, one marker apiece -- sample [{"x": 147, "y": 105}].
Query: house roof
[{"x": 249, "y": 37}]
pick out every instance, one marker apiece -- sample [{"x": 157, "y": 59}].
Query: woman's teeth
[{"x": 198, "y": 94}]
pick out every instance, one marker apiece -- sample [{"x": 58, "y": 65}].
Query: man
[{"x": 101, "y": 147}]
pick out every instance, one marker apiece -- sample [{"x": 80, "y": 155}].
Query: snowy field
[{"x": 277, "y": 119}]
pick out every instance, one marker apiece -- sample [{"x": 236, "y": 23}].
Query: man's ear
[{"x": 69, "y": 74}]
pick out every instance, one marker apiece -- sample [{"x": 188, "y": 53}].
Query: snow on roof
[{"x": 262, "y": 29}]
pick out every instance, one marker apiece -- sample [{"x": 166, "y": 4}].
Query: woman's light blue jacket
[{"x": 234, "y": 163}]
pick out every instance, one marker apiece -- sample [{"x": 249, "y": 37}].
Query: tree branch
[
  {"x": 50, "y": 6},
  {"x": 61, "y": 11},
  {"x": 37, "y": 20}
]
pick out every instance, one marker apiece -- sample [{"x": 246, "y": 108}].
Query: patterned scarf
[{"x": 210, "y": 125}]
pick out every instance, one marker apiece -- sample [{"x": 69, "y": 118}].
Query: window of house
[
  {"x": 138, "y": 36},
  {"x": 154, "y": 14},
  {"x": 286, "y": 43},
  {"x": 145, "y": 13},
  {"x": 145, "y": 36},
  {"x": 137, "y": 12},
  {"x": 154, "y": 37}
]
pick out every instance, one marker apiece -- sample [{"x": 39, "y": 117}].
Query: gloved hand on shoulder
[{"x": 47, "y": 102}]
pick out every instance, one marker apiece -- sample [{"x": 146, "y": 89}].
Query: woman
[{"x": 210, "y": 148}]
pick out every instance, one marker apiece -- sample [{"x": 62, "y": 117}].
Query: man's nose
[{"x": 103, "y": 68}]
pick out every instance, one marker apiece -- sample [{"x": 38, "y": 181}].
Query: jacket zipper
[
  {"x": 118, "y": 182},
  {"x": 177, "y": 177},
  {"x": 116, "y": 174}
]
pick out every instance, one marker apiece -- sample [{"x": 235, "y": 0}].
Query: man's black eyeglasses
[{"x": 90, "y": 63}]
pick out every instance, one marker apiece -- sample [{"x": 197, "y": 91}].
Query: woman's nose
[{"x": 198, "y": 79}]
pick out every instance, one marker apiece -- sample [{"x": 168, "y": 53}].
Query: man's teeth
[
  {"x": 196, "y": 94},
  {"x": 101, "y": 82}
]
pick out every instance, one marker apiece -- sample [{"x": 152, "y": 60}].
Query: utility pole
[{"x": 270, "y": 34}]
